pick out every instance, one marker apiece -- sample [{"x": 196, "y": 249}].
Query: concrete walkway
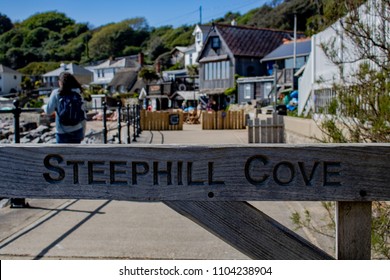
[{"x": 81, "y": 229}]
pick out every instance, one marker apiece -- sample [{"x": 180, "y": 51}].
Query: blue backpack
[{"x": 70, "y": 111}]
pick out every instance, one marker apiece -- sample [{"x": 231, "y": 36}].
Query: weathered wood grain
[
  {"x": 199, "y": 173},
  {"x": 353, "y": 230},
  {"x": 248, "y": 230}
]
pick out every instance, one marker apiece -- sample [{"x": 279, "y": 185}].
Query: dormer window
[
  {"x": 215, "y": 43},
  {"x": 198, "y": 36}
]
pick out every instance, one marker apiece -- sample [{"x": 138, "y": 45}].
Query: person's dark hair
[{"x": 69, "y": 82}]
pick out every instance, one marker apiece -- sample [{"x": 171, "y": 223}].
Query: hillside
[{"x": 53, "y": 37}]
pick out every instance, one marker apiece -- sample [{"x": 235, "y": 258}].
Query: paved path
[{"x": 81, "y": 229}]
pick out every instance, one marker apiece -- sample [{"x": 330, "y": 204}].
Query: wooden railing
[
  {"x": 223, "y": 120},
  {"x": 210, "y": 184}
]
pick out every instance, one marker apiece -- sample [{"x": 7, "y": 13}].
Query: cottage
[
  {"x": 10, "y": 81},
  {"x": 232, "y": 50},
  {"x": 320, "y": 74},
  {"x": 104, "y": 72},
  {"x": 285, "y": 57},
  {"x": 82, "y": 75}
]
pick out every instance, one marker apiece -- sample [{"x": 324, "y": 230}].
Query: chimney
[
  {"x": 233, "y": 22},
  {"x": 141, "y": 59},
  {"x": 63, "y": 66}
]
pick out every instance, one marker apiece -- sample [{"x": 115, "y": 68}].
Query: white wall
[{"x": 10, "y": 81}]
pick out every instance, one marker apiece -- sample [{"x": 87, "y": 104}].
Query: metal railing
[{"x": 130, "y": 113}]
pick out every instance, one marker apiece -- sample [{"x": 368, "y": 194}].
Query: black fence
[{"x": 129, "y": 114}]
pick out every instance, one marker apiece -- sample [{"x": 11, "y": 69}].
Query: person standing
[{"x": 73, "y": 130}]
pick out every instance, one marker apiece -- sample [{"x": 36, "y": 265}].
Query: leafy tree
[
  {"x": 5, "y": 24},
  {"x": 148, "y": 74},
  {"x": 15, "y": 58},
  {"x": 39, "y": 68},
  {"x": 112, "y": 39},
  {"x": 53, "y": 21},
  {"x": 35, "y": 37}
]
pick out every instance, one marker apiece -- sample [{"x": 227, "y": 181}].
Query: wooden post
[
  {"x": 250, "y": 131},
  {"x": 353, "y": 230},
  {"x": 263, "y": 131},
  {"x": 269, "y": 130},
  {"x": 257, "y": 130}
]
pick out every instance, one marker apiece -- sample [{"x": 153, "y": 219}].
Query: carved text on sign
[{"x": 258, "y": 170}]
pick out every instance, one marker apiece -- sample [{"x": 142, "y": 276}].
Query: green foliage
[
  {"x": 176, "y": 66},
  {"x": 42, "y": 37},
  {"x": 113, "y": 39},
  {"x": 193, "y": 70},
  {"x": 52, "y": 36},
  {"x": 380, "y": 226},
  {"x": 5, "y": 23},
  {"x": 233, "y": 90},
  {"x": 53, "y": 21},
  {"x": 148, "y": 74},
  {"x": 39, "y": 68},
  {"x": 34, "y": 103},
  {"x": 165, "y": 38}
]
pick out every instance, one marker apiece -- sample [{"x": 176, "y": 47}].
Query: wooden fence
[
  {"x": 160, "y": 120},
  {"x": 201, "y": 183},
  {"x": 270, "y": 130},
  {"x": 224, "y": 120}
]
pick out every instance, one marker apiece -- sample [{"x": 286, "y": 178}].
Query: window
[
  {"x": 248, "y": 90},
  {"x": 299, "y": 62},
  {"x": 217, "y": 70},
  {"x": 267, "y": 90},
  {"x": 215, "y": 43},
  {"x": 198, "y": 36}
]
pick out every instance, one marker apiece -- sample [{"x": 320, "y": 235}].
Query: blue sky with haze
[{"x": 156, "y": 12}]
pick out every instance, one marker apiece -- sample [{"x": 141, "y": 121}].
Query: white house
[
  {"x": 82, "y": 75},
  {"x": 320, "y": 74},
  {"x": 104, "y": 72},
  {"x": 10, "y": 80},
  {"x": 200, "y": 33}
]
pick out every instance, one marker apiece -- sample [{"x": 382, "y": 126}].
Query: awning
[
  {"x": 213, "y": 91},
  {"x": 214, "y": 58},
  {"x": 188, "y": 95}
]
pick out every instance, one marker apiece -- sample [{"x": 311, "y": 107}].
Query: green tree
[
  {"x": 112, "y": 39},
  {"x": 148, "y": 74},
  {"x": 5, "y": 24},
  {"x": 38, "y": 68},
  {"x": 53, "y": 21}
]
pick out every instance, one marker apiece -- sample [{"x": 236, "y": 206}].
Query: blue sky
[{"x": 156, "y": 12}]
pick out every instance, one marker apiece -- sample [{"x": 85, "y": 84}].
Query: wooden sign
[{"x": 197, "y": 173}]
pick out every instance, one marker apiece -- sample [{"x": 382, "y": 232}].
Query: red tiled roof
[{"x": 251, "y": 41}]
